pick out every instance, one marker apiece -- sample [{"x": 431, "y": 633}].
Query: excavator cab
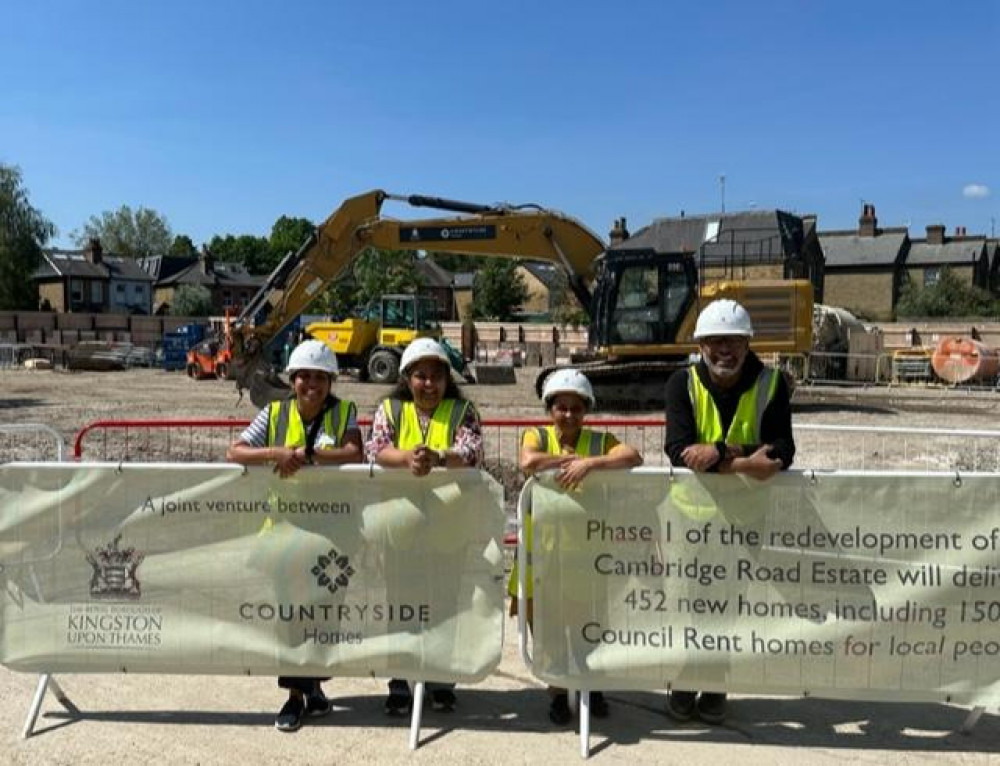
[{"x": 641, "y": 299}]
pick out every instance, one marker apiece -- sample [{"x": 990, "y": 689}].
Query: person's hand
[
  {"x": 422, "y": 459},
  {"x": 700, "y": 457},
  {"x": 758, "y": 465},
  {"x": 573, "y": 472},
  {"x": 288, "y": 460}
]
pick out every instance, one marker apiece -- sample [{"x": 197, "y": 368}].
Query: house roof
[
  {"x": 464, "y": 280},
  {"x": 753, "y": 235},
  {"x": 163, "y": 266},
  {"x": 963, "y": 252},
  {"x": 220, "y": 274},
  {"x": 546, "y": 273},
  {"x": 432, "y": 274},
  {"x": 74, "y": 263},
  {"x": 846, "y": 248}
]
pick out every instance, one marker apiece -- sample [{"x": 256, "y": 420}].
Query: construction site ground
[{"x": 193, "y": 719}]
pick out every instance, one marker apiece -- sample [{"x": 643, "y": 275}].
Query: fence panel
[{"x": 30, "y": 442}]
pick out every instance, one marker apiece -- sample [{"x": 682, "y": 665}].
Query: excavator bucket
[{"x": 259, "y": 377}]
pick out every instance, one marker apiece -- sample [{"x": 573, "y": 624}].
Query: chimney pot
[
  {"x": 935, "y": 234},
  {"x": 867, "y": 223}
]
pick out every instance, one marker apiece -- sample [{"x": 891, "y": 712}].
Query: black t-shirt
[{"x": 775, "y": 428}]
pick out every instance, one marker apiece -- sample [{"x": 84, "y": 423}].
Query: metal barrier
[{"x": 30, "y": 442}]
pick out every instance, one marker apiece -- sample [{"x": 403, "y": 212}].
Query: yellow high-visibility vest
[
  {"x": 588, "y": 444},
  {"x": 745, "y": 428},
  {"x": 441, "y": 429},
  {"x": 286, "y": 429}
]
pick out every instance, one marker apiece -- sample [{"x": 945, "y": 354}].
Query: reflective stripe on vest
[
  {"x": 588, "y": 443},
  {"x": 444, "y": 423},
  {"x": 745, "y": 428},
  {"x": 286, "y": 429}
]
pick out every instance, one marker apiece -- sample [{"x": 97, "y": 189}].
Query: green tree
[
  {"x": 135, "y": 233},
  {"x": 253, "y": 252},
  {"x": 192, "y": 301},
  {"x": 378, "y": 272},
  {"x": 288, "y": 234},
  {"x": 498, "y": 290},
  {"x": 23, "y": 233},
  {"x": 183, "y": 247},
  {"x": 948, "y": 297}
]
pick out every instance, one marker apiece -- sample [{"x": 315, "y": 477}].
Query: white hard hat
[
  {"x": 312, "y": 355},
  {"x": 568, "y": 382},
  {"x": 422, "y": 348},
  {"x": 723, "y": 317}
]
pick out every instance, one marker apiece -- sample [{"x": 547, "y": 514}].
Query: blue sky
[{"x": 225, "y": 115}]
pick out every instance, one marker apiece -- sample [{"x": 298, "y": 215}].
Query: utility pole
[{"x": 722, "y": 190}]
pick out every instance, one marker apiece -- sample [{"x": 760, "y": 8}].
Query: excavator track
[{"x": 623, "y": 386}]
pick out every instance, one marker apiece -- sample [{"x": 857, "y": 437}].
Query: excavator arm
[{"x": 526, "y": 231}]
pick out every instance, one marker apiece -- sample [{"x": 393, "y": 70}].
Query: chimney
[
  {"x": 94, "y": 251},
  {"x": 959, "y": 232},
  {"x": 206, "y": 261},
  {"x": 619, "y": 232},
  {"x": 867, "y": 223},
  {"x": 935, "y": 234}
]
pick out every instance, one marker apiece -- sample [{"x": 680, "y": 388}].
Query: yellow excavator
[{"x": 642, "y": 305}]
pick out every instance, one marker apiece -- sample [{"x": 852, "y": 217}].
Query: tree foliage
[
  {"x": 183, "y": 247},
  {"x": 288, "y": 234},
  {"x": 379, "y": 272},
  {"x": 948, "y": 297},
  {"x": 23, "y": 233},
  {"x": 192, "y": 301},
  {"x": 253, "y": 252},
  {"x": 498, "y": 290},
  {"x": 134, "y": 233}
]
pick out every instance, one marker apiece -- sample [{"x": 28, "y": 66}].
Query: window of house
[
  {"x": 120, "y": 289},
  {"x": 76, "y": 289},
  {"x": 96, "y": 293},
  {"x": 931, "y": 277},
  {"x": 137, "y": 289},
  {"x": 227, "y": 298}
]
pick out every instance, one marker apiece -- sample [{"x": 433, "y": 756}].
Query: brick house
[
  {"x": 864, "y": 267},
  {"x": 92, "y": 281},
  {"x": 753, "y": 244},
  {"x": 966, "y": 256},
  {"x": 230, "y": 284}
]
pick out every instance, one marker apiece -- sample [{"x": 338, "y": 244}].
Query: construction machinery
[
  {"x": 642, "y": 304},
  {"x": 373, "y": 343},
  {"x": 211, "y": 358}
]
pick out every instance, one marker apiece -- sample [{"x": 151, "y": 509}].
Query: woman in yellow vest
[
  {"x": 574, "y": 451},
  {"x": 425, "y": 423},
  {"x": 313, "y": 427}
]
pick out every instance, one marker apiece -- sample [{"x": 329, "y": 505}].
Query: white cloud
[{"x": 975, "y": 191}]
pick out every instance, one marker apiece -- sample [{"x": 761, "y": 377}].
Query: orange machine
[{"x": 210, "y": 359}]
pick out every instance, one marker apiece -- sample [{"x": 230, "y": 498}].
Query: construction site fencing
[
  {"x": 818, "y": 446},
  {"x": 30, "y": 442}
]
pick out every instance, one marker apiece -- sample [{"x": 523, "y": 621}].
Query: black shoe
[
  {"x": 712, "y": 707},
  {"x": 598, "y": 705},
  {"x": 559, "y": 712},
  {"x": 290, "y": 716},
  {"x": 400, "y": 700},
  {"x": 443, "y": 700},
  {"x": 681, "y": 705},
  {"x": 317, "y": 704}
]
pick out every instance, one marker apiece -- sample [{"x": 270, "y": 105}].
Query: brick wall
[{"x": 866, "y": 294}]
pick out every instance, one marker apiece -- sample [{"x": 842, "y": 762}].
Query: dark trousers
[
  {"x": 400, "y": 686},
  {"x": 300, "y": 684}
]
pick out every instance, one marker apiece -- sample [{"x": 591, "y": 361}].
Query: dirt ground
[{"x": 189, "y": 719}]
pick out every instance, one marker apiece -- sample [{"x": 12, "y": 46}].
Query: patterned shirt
[{"x": 468, "y": 436}]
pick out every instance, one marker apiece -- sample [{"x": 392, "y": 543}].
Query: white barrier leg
[
  {"x": 45, "y": 682},
  {"x": 584, "y": 723},
  {"x": 36, "y": 705},
  {"x": 973, "y": 718},
  {"x": 416, "y": 713}
]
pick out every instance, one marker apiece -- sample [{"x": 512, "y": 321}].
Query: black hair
[{"x": 402, "y": 391}]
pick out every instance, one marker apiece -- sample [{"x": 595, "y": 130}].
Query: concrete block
[{"x": 495, "y": 374}]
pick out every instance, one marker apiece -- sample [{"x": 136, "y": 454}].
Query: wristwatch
[{"x": 442, "y": 456}]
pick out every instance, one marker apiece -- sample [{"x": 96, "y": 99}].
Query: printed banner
[
  {"x": 213, "y": 569},
  {"x": 852, "y": 585}
]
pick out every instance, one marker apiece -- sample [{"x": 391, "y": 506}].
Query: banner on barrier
[
  {"x": 210, "y": 569},
  {"x": 868, "y": 586}
]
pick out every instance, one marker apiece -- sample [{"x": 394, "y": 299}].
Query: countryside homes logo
[
  {"x": 115, "y": 572},
  {"x": 333, "y": 570}
]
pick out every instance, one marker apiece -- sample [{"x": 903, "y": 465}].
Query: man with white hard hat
[
  {"x": 727, "y": 413},
  {"x": 311, "y": 427}
]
